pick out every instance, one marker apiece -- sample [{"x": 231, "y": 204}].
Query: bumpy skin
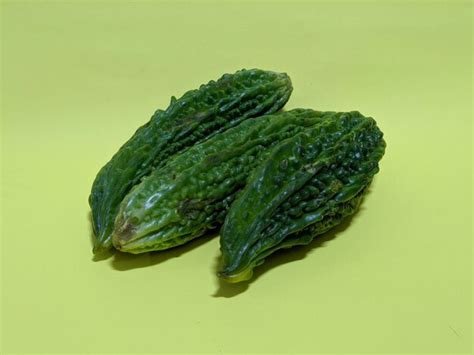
[
  {"x": 307, "y": 185},
  {"x": 192, "y": 193},
  {"x": 196, "y": 116}
]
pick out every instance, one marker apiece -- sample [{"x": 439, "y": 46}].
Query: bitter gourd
[
  {"x": 193, "y": 118},
  {"x": 192, "y": 193},
  {"x": 308, "y": 184}
]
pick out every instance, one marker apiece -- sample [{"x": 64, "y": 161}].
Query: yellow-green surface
[{"x": 79, "y": 77}]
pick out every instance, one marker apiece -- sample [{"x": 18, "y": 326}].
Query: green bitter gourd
[
  {"x": 192, "y": 193},
  {"x": 193, "y": 118},
  {"x": 307, "y": 185}
]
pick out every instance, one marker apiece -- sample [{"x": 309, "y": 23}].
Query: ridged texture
[
  {"x": 192, "y": 193},
  {"x": 308, "y": 184},
  {"x": 195, "y": 117}
]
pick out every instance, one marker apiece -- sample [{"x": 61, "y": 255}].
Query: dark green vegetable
[
  {"x": 195, "y": 117},
  {"x": 192, "y": 193},
  {"x": 308, "y": 184}
]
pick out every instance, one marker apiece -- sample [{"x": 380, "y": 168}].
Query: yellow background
[{"x": 78, "y": 78}]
